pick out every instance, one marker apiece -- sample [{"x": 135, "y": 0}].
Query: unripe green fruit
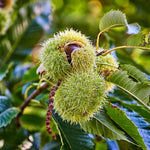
[
  {"x": 54, "y": 62},
  {"x": 71, "y": 35},
  {"x": 56, "y": 55},
  {"x": 80, "y": 96},
  {"x": 104, "y": 64},
  {"x": 83, "y": 59},
  {"x": 4, "y": 21}
]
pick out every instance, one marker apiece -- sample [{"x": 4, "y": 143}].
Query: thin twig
[
  {"x": 100, "y": 53},
  {"x": 105, "y": 52},
  {"x": 121, "y": 47},
  {"x": 97, "y": 42},
  {"x": 27, "y": 101}
]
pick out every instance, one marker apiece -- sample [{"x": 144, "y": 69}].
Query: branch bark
[
  {"x": 27, "y": 101},
  {"x": 104, "y": 51}
]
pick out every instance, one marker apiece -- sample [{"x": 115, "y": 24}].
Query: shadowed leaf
[{"x": 119, "y": 117}]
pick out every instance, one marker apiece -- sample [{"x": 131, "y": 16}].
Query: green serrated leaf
[
  {"x": 7, "y": 116},
  {"x": 138, "y": 90},
  {"x": 136, "y": 39},
  {"x": 126, "y": 124},
  {"x": 12, "y": 136},
  {"x": 74, "y": 137},
  {"x": 5, "y": 103},
  {"x": 33, "y": 118},
  {"x": 44, "y": 138},
  {"x": 139, "y": 39},
  {"x": 102, "y": 125},
  {"x": 30, "y": 75},
  {"x": 112, "y": 19},
  {"x": 5, "y": 70},
  {"x": 135, "y": 73},
  {"x": 123, "y": 145},
  {"x": 21, "y": 37},
  {"x": 134, "y": 107},
  {"x": 125, "y": 58}
]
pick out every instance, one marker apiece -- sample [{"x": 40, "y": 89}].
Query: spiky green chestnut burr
[
  {"x": 83, "y": 59},
  {"x": 71, "y": 35},
  {"x": 4, "y": 21},
  {"x": 54, "y": 61},
  {"x": 56, "y": 55},
  {"x": 104, "y": 64},
  {"x": 80, "y": 96}
]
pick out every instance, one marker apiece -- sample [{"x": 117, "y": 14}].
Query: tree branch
[
  {"x": 27, "y": 101},
  {"x": 100, "y": 53}
]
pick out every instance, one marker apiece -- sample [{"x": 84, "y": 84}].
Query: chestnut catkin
[
  {"x": 80, "y": 96},
  {"x": 104, "y": 64},
  {"x": 51, "y": 106}
]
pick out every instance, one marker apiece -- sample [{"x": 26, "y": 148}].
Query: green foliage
[
  {"x": 100, "y": 144},
  {"x": 7, "y": 112},
  {"x": 136, "y": 39},
  {"x": 5, "y": 21},
  {"x": 137, "y": 108},
  {"x": 112, "y": 19},
  {"x": 135, "y": 73},
  {"x": 33, "y": 118},
  {"x": 7, "y": 116},
  {"x": 119, "y": 118},
  {"x": 12, "y": 136},
  {"x": 5, "y": 70},
  {"x": 125, "y": 58},
  {"x": 4, "y": 103},
  {"x": 30, "y": 75},
  {"x": 125, "y": 119},
  {"x": 139, "y": 39},
  {"x": 15, "y": 42},
  {"x": 73, "y": 136},
  {"x": 140, "y": 91},
  {"x": 101, "y": 125},
  {"x": 128, "y": 104}
]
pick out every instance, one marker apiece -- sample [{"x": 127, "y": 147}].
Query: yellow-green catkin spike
[
  {"x": 104, "y": 64},
  {"x": 80, "y": 96}
]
